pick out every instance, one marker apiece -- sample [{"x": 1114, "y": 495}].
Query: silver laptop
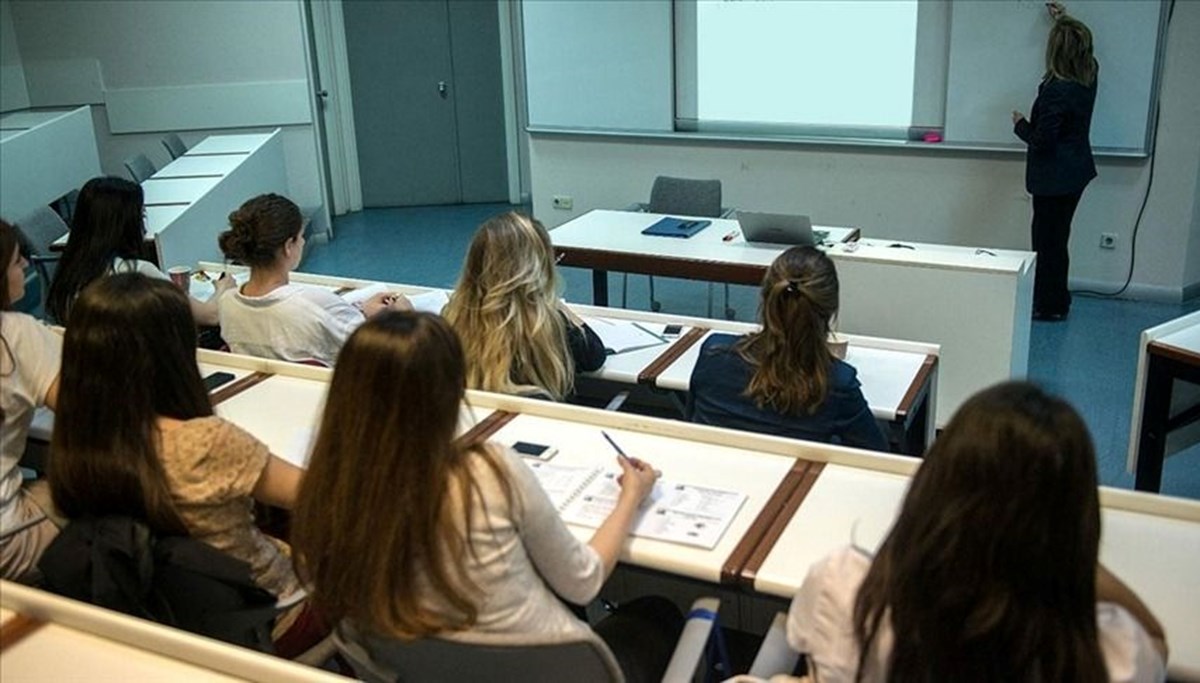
[{"x": 778, "y": 228}]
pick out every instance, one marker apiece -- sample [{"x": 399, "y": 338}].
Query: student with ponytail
[
  {"x": 270, "y": 317},
  {"x": 784, "y": 379}
]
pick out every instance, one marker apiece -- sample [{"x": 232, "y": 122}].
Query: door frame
[{"x": 328, "y": 29}]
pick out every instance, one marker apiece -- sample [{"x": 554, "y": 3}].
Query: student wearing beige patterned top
[{"x": 135, "y": 435}]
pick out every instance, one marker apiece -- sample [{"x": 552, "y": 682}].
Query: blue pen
[{"x": 637, "y": 464}]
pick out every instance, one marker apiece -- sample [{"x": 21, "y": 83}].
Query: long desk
[
  {"x": 189, "y": 200},
  {"x": 44, "y": 637},
  {"x": 1166, "y": 398},
  {"x": 975, "y": 303},
  {"x": 43, "y": 156},
  {"x": 898, "y": 377},
  {"x": 803, "y": 499}
]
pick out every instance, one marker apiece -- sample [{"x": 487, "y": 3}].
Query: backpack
[{"x": 118, "y": 563}]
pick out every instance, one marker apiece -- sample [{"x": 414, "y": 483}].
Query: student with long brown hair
[
  {"x": 29, "y": 360},
  {"x": 991, "y": 570},
  {"x": 404, "y": 532},
  {"x": 107, "y": 236},
  {"x": 271, "y": 317},
  {"x": 154, "y": 450},
  {"x": 785, "y": 379},
  {"x": 518, "y": 337}
]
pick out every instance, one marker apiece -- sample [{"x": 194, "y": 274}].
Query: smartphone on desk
[
  {"x": 672, "y": 330},
  {"x": 217, "y": 379},
  {"x": 534, "y": 450}
]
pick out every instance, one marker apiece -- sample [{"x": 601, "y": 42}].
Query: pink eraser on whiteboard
[{"x": 932, "y": 136}]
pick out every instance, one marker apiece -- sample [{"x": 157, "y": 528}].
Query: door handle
[
  {"x": 323, "y": 94},
  {"x": 442, "y": 89}
]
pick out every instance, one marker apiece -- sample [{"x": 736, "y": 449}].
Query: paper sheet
[{"x": 620, "y": 336}]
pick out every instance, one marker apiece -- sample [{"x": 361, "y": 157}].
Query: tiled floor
[{"x": 1090, "y": 359}]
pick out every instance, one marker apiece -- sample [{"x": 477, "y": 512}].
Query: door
[{"x": 428, "y": 101}]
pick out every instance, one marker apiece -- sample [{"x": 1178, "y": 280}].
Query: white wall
[
  {"x": 931, "y": 195},
  {"x": 206, "y": 67},
  {"x": 13, "y": 93}
]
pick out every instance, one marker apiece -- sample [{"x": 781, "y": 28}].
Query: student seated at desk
[
  {"x": 784, "y": 379},
  {"x": 29, "y": 360},
  {"x": 270, "y": 317},
  {"x": 461, "y": 539},
  {"x": 107, "y": 236},
  {"x": 135, "y": 435},
  {"x": 518, "y": 337},
  {"x": 991, "y": 571}
]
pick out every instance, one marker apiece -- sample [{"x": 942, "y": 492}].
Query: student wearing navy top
[
  {"x": 784, "y": 380},
  {"x": 1059, "y": 162}
]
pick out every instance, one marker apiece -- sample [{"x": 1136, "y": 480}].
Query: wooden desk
[
  {"x": 43, "y": 156},
  {"x": 50, "y": 638},
  {"x": 898, "y": 377},
  {"x": 974, "y": 303},
  {"x": 1166, "y": 399}
]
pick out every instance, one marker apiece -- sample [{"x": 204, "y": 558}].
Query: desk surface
[
  {"x": 229, "y": 144},
  {"x": 188, "y": 166},
  {"x": 25, "y": 120},
  {"x": 176, "y": 190}
]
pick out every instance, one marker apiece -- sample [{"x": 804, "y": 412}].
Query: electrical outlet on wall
[
  {"x": 564, "y": 202},
  {"x": 1108, "y": 240}
]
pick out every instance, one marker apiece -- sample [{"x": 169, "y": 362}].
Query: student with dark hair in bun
[
  {"x": 784, "y": 379},
  {"x": 271, "y": 317}
]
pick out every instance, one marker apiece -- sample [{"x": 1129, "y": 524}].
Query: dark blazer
[
  {"x": 716, "y": 398},
  {"x": 1059, "y": 159}
]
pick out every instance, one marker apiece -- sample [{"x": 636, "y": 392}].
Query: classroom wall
[
  {"x": 930, "y": 195},
  {"x": 13, "y": 93},
  {"x": 191, "y": 66}
]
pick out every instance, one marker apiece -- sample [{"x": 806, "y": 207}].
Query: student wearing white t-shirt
[
  {"x": 271, "y": 317},
  {"x": 107, "y": 234},
  {"x": 990, "y": 572},
  {"x": 30, "y": 356}
]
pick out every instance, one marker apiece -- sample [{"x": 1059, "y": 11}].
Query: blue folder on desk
[{"x": 676, "y": 227}]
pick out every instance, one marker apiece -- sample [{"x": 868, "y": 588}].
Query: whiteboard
[{"x": 997, "y": 58}]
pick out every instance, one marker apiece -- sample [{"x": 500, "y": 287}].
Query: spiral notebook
[{"x": 674, "y": 512}]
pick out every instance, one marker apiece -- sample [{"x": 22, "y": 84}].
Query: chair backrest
[
  {"x": 174, "y": 145},
  {"x": 686, "y": 196},
  {"x": 116, "y": 562},
  {"x": 483, "y": 658},
  {"x": 39, "y": 229},
  {"x": 140, "y": 167}
]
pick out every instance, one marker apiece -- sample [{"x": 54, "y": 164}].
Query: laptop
[{"x": 779, "y": 228}]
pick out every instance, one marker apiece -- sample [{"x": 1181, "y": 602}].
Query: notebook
[
  {"x": 779, "y": 228},
  {"x": 622, "y": 336},
  {"x": 673, "y": 512},
  {"x": 676, "y": 227}
]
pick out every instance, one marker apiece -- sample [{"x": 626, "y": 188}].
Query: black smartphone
[
  {"x": 535, "y": 450},
  {"x": 672, "y": 330},
  {"x": 217, "y": 379}
]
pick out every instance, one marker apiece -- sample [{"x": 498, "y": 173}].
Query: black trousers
[
  {"x": 642, "y": 636},
  {"x": 1051, "y": 231}
]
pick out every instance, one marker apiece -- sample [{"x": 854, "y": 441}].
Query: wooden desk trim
[
  {"x": 649, "y": 374},
  {"x": 919, "y": 387},
  {"x": 16, "y": 628},
  {"x": 486, "y": 427},
  {"x": 1173, "y": 352},
  {"x": 767, "y": 543},
  {"x": 227, "y": 392},
  {"x": 664, "y": 266}
]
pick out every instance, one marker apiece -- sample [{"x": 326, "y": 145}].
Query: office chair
[
  {"x": 174, "y": 145},
  {"x": 502, "y": 657},
  {"x": 37, "y": 231},
  {"x": 687, "y": 197},
  {"x": 140, "y": 167}
]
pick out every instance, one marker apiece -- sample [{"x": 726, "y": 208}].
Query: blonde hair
[
  {"x": 790, "y": 355},
  {"x": 1069, "y": 52},
  {"x": 505, "y": 310}
]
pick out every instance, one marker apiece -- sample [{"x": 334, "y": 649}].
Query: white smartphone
[{"x": 535, "y": 450}]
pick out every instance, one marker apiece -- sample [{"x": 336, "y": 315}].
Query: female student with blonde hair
[
  {"x": 991, "y": 570},
  {"x": 461, "y": 539},
  {"x": 517, "y": 337},
  {"x": 29, "y": 359},
  {"x": 135, "y": 435},
  {"x": 784, "y": 379},
  {"x": 271, "y": 317},
  {"x": 107, "y": 236}
]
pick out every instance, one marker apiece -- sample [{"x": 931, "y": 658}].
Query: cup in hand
[{"x": 181, "y": 276}]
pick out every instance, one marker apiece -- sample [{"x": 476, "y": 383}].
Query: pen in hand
[{"x": 637, "y": 464}]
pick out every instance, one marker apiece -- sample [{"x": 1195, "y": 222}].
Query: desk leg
[
  {"x": 599, "y": 287},
  {"x": 1156, "y": 411}
]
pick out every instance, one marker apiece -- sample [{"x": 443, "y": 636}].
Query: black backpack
[{"x": 116, "y": 562}]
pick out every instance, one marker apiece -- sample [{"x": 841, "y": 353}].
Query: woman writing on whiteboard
[{"x": 1059, "y": 161}]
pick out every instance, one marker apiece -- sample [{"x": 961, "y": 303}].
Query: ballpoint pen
[
  {"x": 637, "y": 464},
  {"x": 730, "y": 236}
]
